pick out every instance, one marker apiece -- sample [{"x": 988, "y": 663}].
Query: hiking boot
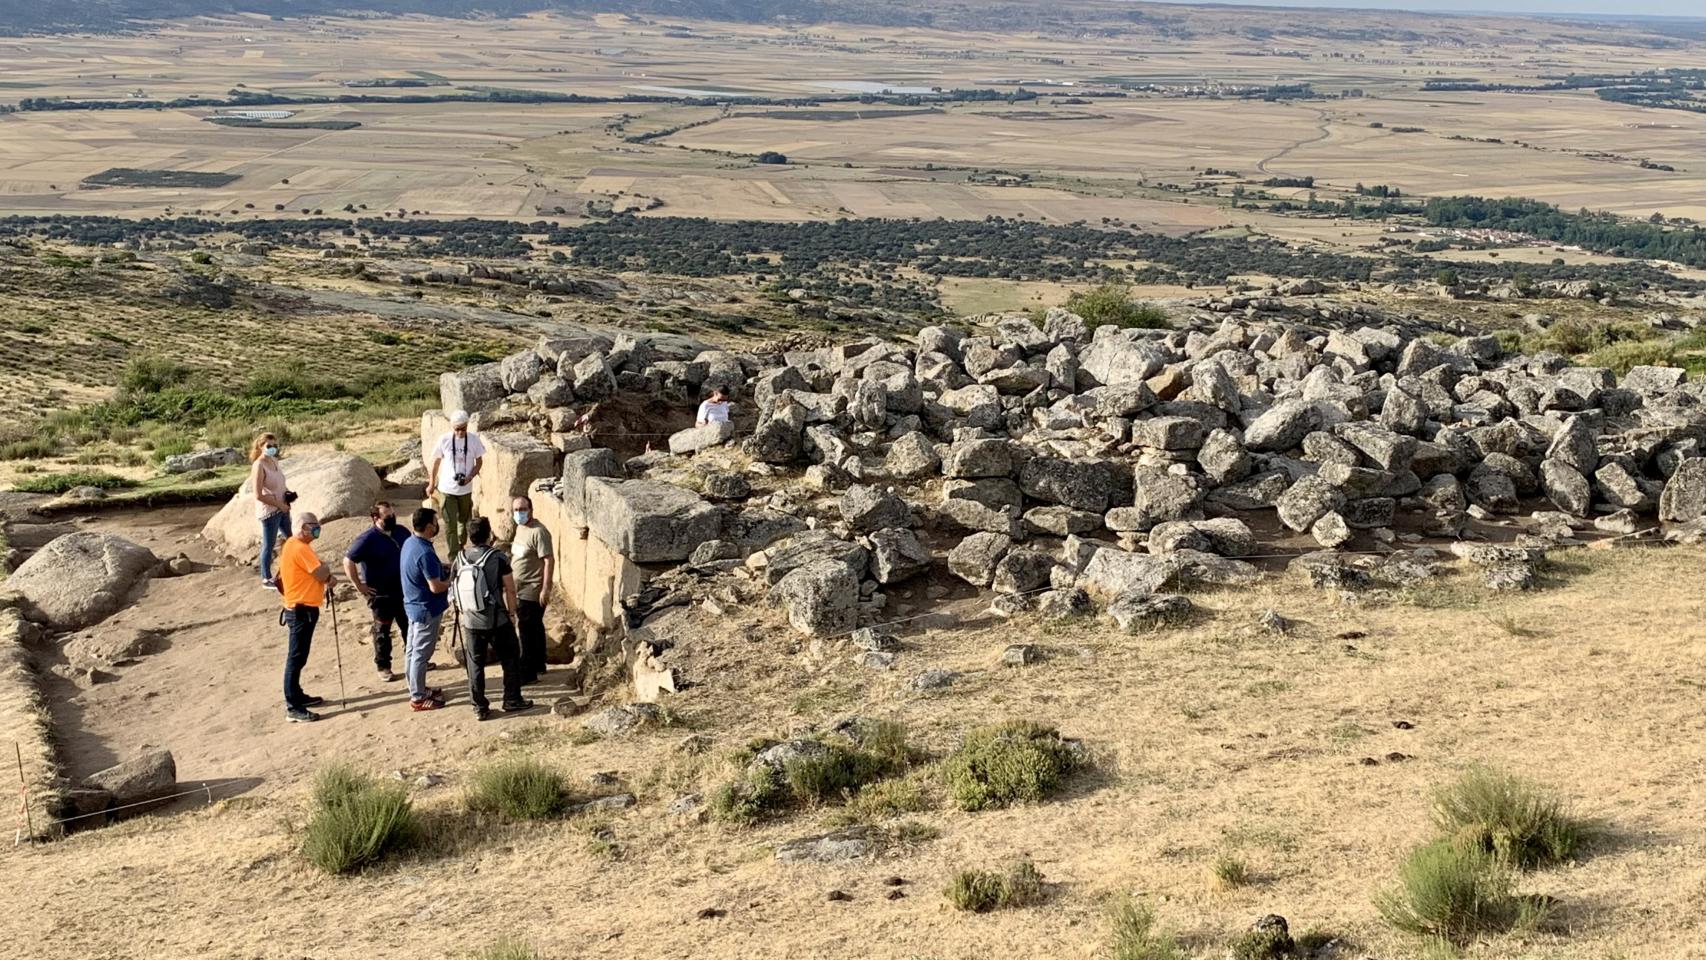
[
  {"x": 301, "y": 715},
  {"x": 427, "y": 704},
  {"x": 518, "y": 706},
  {"x": 483, "y": 713}
]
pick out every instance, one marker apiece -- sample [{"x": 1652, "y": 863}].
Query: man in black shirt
[{"x": 372, "y": 563}]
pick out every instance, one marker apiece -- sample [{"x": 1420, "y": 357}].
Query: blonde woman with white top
[{"x": 272, "y": 501}]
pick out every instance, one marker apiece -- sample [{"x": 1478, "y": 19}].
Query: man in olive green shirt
[{"x": 533, "y": 560}]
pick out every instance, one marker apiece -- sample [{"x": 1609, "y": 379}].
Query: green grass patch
[
  {"x": 58, "y": 483},
  {"x": 357, "y": 822},
  {"x": 1515, "y": 820},
  {"x": 505, "y": 948},
  {"x": 980, "y": 891},
  {"x": 518, "y": 789},
  {"x": 1455, "y": 894},
  {"x": 1231, "y": 872},
  {"x": 1010, "y": 763},
  {"x": 1132, "y": 934},
  {"x": 30, "y": 448}
]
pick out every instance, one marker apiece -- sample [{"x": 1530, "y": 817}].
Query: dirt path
[{"x": 213, "y": 696}]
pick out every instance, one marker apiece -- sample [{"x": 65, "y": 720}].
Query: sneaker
[
  {"x": 427, "y": 704},
  {"x": 518, "y": 706},
  {"x": 431, "y": 666},
  {"x": 269, "y": 585},
  {"x": 308, "y": 701},
  {"x": 386, "y": 676},
  {"x": 482, "y": 713},
  {"x": 437, "y": 694},
  {"x": 301, "y": 715}
]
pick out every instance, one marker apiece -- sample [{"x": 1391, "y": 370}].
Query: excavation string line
[{"x": 205, "y": 789}]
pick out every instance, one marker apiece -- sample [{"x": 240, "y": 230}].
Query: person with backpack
[
  {"x": 424, "y": 603},
  {"x": 486, "y": 610}
]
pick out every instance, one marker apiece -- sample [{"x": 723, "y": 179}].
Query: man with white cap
[{"x": 456, "y": 460}]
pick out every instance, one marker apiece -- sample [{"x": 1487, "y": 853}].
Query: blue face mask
[
  {"x": 271, "y": 451},
  {"x": 521, "y": 517},
  {"x": 314, "y": 531}
]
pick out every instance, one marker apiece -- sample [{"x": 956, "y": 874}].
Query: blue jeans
[
  {"x": 273, "y": 529},
  {"x": 301, "y": 620},
  {"x": 421, "y": 641}
]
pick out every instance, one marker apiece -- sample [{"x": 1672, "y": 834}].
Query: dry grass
[{"x": 1188, "y": 768}]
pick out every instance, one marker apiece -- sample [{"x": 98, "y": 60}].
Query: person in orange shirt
[{"x": 304, "y": 580}]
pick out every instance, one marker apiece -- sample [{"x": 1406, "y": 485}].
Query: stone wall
[
  {"x": 591, "y": 576},
  {"x": 512, "y": 463},
  {"x": 24, "y": 721}
]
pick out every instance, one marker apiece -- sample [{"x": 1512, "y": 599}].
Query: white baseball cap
[{"x": 458, "y": 418}]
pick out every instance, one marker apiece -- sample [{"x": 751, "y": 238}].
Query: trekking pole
[{"x": 337, "y": 645}]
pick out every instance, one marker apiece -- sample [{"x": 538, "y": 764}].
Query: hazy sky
[{"x": 1668, "y": 8}]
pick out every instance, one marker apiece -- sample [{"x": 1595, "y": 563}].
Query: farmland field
[{"x": 1110, "y": 131}]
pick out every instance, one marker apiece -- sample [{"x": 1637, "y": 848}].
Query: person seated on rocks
[
  {"x": 424, "y": 602},
  {"x": 456, "y": 461},
  {"x": 304, "y": 581},
  {"x": 486, "y": 610},
  {"x": 374, "y": 563},
  {"x": 272, "y": 501},
  {"x": 715, "y": 409}
]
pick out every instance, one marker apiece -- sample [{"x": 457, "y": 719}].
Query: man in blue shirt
[
  {"x": 424, "y": 602},
  {"x": 373, "y": 563}
]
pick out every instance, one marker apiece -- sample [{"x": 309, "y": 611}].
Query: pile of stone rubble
[{"x": 1059, "y": 465}]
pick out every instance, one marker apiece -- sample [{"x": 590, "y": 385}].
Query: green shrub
[
  {"x": 1572, "y": 336},
  {"x": 506, "y": 948},
  {"x": 1014, "y": 762},
  {"x": 832, "y": 775},
  {"x": 883, "y": 800},
  {"x": 38, "y": 447},
  {"x": 1231, "y": 872},
  {"x": 357, "y": 822},
  {"x": 1515, "y": 820},
  {"x": 743, "y": 800},
  {"x": 57, "y": 483},
  {"x": 1264, "y": 943},
  {"x": 980, "y": 891},
  {"x": 518, "y": 789},
  {"x": 1132, "y": 935},
  {"x": 292, "y": 380},
  {"x": 338, "y": 783},
  {"x": 874, "y": 751},
  {"x": 1455, "y": 893},
  {"x": 457, "y": 359},
  {"x": 384, "y": 338},
  {"x": 152, "y": 373},
  {"x": 1112, "y": 303}
]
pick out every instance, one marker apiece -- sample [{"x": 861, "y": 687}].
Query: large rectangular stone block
[{"x": 649, "y": 521}]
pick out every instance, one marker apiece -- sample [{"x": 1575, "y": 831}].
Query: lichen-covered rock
[
  {"x": 897, "y": 554},
  {"x": 80, "y": 579},
  {"x": 821, "y": 597},
  {"x": 975, "y": 557}
]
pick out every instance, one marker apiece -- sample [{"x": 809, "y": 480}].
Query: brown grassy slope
[{"x": 1212, "y": 740}]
